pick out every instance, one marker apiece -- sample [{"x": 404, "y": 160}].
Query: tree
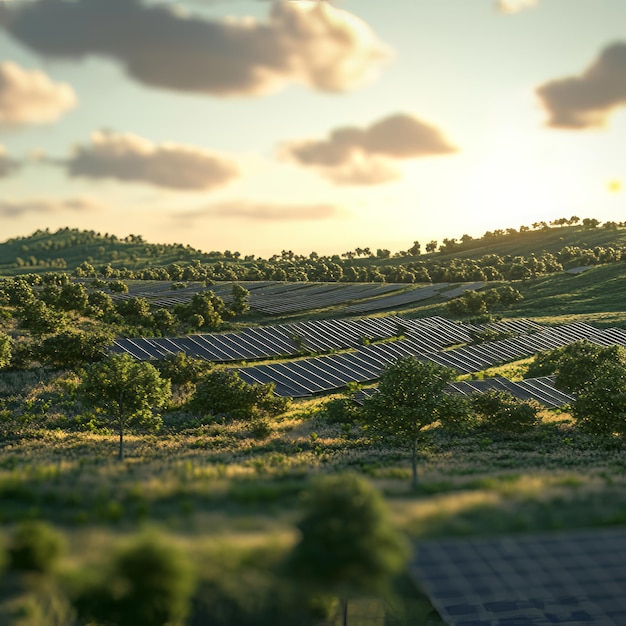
[
  {"x": 601, "y": 404},
  {"x": 410, "y": 398},
  {"x": 40, "y": 319},
  {"x": 180, "y": 369},
  {"x": 163, "y": 320},
  {"x": 124, "y": 393},
  {"x": 580, "y": 363},
  {"x": 240, "y": 304},
  {"x": 347, "y": 545},
  {"x": 150, "y": 583},
  {"x": 72, "y": 297}
]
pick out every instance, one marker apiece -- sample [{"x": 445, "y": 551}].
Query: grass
[{"x": 228, "y": 494}]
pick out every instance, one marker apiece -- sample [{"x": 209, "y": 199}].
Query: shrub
[
  {"x": 504, "y": 413},
  {"x": 223, "y": 393},
  {"x": 340, "y": 411},
  {"x": 34, "y": 547},
  {"x": 150, "y": 583}
]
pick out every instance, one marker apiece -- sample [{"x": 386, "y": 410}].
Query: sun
[{"x": 614, "y": 186}]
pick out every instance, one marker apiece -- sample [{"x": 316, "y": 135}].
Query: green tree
[
  {"x": 410, "y": 398},
  {"x": 580, "y": 362},
  {"x": 72, "y": 297},
  {"x": 601, "y": 405},
  {"x": 181, "y": 369},
  {"x": 40, "y": 319},
  {"x": 164, "y": 320},
  {"x": 135, "y": 311},
  {"x": 124, "y": 393},
  {"x": 347, "y": 545},
  {"x": 239, "y": 304},
  {"x": 149, "y": 583},
  {"x": 100, "y": 304},
  {"x": 117, "y": 286}
]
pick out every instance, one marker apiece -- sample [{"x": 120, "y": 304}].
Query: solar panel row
[
  {"x": 541, "y": 389},
  {"x": 417, "y": 294},
  {"x": 267, "y": 341},
  {"x": 318, "y": 296},
  {"x": 453, "y": 293}
]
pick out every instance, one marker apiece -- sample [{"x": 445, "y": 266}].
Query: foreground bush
[
  {"x": 347, "y": 546},
  {"x": 34, "y": 547},
  {"x": 148, "y": 584}
]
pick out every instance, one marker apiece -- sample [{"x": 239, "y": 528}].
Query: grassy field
[
  {"x": 230, "y": 494},
  {"x": 233, "y": 489}
]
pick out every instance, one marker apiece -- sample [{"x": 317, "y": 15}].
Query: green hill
[{"x": 67, "y": 248}]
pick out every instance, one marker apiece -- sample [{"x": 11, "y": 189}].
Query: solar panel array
[
  {"x": 458, "y": 291},
  {"x": 305, "y": 377},
  {"x": 541, "y": 389},
  {"x": 567, "y": 579},
  {"x": 271, "y": 297},
  {"x": 265, "y": 342},
  {"x": 473, "y": 358},
  {"x": 411, "y": 296},
  {"x": 316, "y": 296}
]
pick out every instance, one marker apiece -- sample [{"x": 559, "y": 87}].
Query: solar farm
[
  {"x": 280, "y": 298},
  {"x": 367, "y": 346}
]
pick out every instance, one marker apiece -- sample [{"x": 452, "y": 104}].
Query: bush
[
  {"x": 71, "y": 348},
  {"x": 347, "y": 545},
  {"x": 34, "y": 547},
  {"x": 148, "y": 584},
  {"x": 503, "y": 412},
  {"x": 223, "y": 393},
  {"x": 340, "y": 411}
]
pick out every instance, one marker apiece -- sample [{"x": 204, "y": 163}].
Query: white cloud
[
  {"x": 127, "y": 157},
  {"x": 30, "y": 97},
  {"x": 324, "y": 47}
]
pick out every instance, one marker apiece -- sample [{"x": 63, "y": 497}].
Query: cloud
[
  {"x": 586, "y": 101},
  {"x": 264, "y": 212},
  {"x": 126, "y": 157},
  {"x": 20, "y": 208},
  {"x": 321, "y": 46},
  {"x": 7, "y": 164},
  {"x": 511, "y": 7},
  {"x": 354, "y": 156},
  {"x": 30, "y": 97}
]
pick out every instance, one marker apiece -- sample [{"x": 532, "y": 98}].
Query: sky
[{"x": 260, "y": 126}]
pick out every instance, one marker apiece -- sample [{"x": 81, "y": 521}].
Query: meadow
[{"x": 230, "y": 493}]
